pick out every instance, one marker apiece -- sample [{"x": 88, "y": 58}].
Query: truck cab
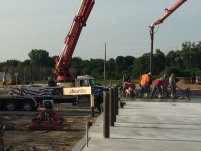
[
  {"x": 97, "y": 90},
  {"x": 86, "y": 81}
]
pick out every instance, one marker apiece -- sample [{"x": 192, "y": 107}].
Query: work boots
[
  {"x": 159, "y": 96},
  {"x": 146, "y": 95},
  {"x": 173, "y": 96}
]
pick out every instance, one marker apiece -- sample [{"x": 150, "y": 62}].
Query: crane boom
[
  {"x": 62, "y": 63},
  {"x": 168, "y": 12}
]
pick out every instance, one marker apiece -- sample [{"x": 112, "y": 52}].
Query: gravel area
[{"x": 23, "y": 139}]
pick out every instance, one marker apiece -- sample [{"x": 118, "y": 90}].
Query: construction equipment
[
  {"x": 48, "y": 119},
  {"x": 198, "y": 80},
  {"x": 28, "y": 97},
  {"x": 62, "y": 63},
  {"x": 187, "y": 92},
  {"x": 4, "y": 126},
  {"x": 168, "y": 12},
  {"x": 10, "y": 81}
]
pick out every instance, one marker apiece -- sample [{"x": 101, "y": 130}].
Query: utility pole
[
  {"x": 105, "y": 67},
  {"x": 152, "y": 46}
]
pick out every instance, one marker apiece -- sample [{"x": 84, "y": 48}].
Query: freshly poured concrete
[{"x": 150, "y": 125}]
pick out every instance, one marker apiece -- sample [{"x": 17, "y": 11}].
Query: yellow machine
[
  {"x": 10, "y": 81},
  {"x": 198, "y": 80}
]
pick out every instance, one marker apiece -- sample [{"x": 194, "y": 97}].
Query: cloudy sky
[{"x": 122, "y": 24}]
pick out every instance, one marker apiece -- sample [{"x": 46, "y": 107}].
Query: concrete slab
[{"x": 150, "y": 126}]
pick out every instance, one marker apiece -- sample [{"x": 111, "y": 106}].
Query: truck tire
[
  {"x": 11, "y": 105},
  {"x": 1, "y": 106},
  {"x": 28, "y": 105}
]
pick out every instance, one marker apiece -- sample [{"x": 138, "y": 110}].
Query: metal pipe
[
  {"x": 106, "y": 128},
  {"x": 111, "y": 105},
  {"x": 88, "y": 125}
]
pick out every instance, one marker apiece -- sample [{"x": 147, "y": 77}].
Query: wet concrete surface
[{"x": 150, "y": 125}]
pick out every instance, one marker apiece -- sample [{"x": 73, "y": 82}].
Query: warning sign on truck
[{"x": 77, "y": 91}]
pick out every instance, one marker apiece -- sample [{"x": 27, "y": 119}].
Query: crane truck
[{"x": 67, "y": 88}]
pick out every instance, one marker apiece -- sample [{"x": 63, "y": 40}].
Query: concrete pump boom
[
  {"x": 168, "y": 12},
  {"x": 62, "y": 63}
]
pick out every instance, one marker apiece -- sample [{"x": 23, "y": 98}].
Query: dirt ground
[
  {"x": 183, "y": 84},
  {"x": 23, "y": 139}
]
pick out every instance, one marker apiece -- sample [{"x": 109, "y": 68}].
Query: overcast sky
[{"x": 122, "y": 24}]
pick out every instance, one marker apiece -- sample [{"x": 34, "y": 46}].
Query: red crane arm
[
  {"x": 168, "y": 12},
  {"x": 62, "y": 63}
]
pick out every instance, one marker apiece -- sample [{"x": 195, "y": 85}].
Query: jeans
[
  {"x": 173, "y": 89},
  {"x": 165, "y": 90},
  {"x": 144, "y": 89},
  {"x": 155, "y": 87}
]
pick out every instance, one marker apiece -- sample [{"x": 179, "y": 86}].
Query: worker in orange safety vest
[{"x": 145, "y": 83}]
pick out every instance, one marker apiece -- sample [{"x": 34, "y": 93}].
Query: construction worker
[
  {"x": 126, "y": 78},
  {"x": 172, "y": 83},
  {"x": 165, "y": 85},
  {"x": 145, "y": 83},
  {"x": 157, "y": 86},
  {"x": 129, "y": 89},
  {"x": 51, "y": 81}
]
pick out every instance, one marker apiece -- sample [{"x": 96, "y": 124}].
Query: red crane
[
  {"x": 168, "y": 12},
  {"x": 62, "y": 63}
]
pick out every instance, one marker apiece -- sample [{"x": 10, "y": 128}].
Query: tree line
[{"x": 184, "y": 63}]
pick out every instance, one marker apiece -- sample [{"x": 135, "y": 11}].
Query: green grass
[
  {"x": 108, "y": 83},
  {"x": 111, "y": 83}
]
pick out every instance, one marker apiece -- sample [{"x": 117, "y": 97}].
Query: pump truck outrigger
[{"x": 27, "y": 97}]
